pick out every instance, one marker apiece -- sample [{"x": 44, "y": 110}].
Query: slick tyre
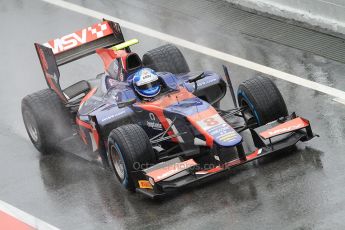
[
  {"x": 263, "y": 99},
  {"x": 166, "y": 58},
  {"x": 46, "y": 119},
  {"x": 129, "y": 150}
]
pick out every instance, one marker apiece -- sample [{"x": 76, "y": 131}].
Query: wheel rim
[
  {"x": 118, "y": 163},
  {"x": 31, "y": 126}
]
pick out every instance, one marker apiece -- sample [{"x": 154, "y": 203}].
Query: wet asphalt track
[{"x": 300, "y": 190}]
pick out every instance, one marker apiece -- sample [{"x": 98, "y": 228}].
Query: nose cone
[
  {"x": 213, "y": 127},
  {"x": 220, "y": 131},
  {"x": 225, "y": 135}
]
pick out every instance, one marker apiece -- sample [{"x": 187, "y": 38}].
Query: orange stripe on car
[
  {"x": 170, "y": 170},
  {"x": 83, "y": 123},
  {"x": 108, "y": 56},
  {"x": 229, "y": 164},
  {"x": 157, "y": 107},
  {"x": 87, "y": 96},
  {"x": 91, "y": 128},
  {"x": 289, "y": 126},
  {"x": 193, "y": 119}
]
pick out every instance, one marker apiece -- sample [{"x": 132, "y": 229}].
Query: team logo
[
  {"x": 80, "y": 37},
  {"x": 98, "y": 29},
  {"x": 285, "y": 130}
]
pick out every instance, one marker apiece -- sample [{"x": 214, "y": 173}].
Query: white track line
[
  {"x": 203, "y": 49},
  {"x": 25, "y": 217},
  {"x": 339, "y": 100}
]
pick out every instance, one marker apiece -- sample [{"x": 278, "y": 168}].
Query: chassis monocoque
[{"x": 156, "y": 146}]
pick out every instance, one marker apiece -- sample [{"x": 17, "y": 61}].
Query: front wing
[{"x": 176, "y": 174}]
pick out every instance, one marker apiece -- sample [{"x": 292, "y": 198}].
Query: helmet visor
[{"x": 149, "y": 85}]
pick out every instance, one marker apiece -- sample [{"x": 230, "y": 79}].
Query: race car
[{"x": 156, "y": 124}]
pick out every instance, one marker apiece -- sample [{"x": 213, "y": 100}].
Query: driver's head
[{"x": 146, "y": 83}]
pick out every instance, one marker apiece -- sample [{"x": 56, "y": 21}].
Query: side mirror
[
  {"x": 123, "y": 104},
  {"x": 195, "y": 78}
]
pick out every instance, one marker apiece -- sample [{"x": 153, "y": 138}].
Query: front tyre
[
  {"x": 129, "y": 150},
  {"x": 263, "y": 99}
]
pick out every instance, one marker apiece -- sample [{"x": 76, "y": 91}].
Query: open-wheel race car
[{"x": 155, "y": 123}]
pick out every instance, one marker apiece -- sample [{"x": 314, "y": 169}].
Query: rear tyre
[
  {"x": 166, "y": 58},
  {"x": 46, "y": 119},
  {"x": 265, "y": 102},
  {"x": 129, "y": 149}
]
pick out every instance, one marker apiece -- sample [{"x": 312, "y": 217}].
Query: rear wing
[{"x": 71, "y": 47}]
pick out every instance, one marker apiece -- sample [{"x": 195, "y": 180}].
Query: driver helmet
[{"x": 146, "y": 83}]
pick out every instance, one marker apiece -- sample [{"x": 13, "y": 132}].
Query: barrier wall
[{"x": 326, "y": 15}]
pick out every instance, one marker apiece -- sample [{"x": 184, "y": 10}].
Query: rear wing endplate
[{"x": 71, "y": 47}]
